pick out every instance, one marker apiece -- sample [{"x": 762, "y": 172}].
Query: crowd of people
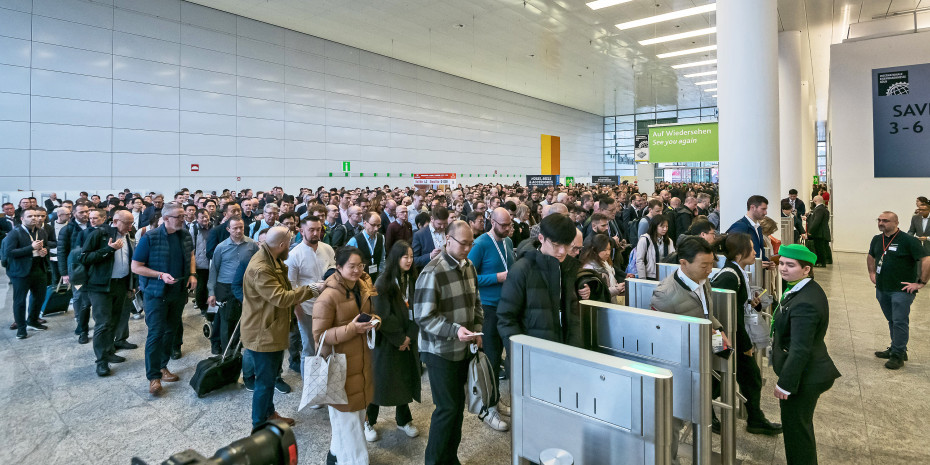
[{"x": 399, "y": 279}]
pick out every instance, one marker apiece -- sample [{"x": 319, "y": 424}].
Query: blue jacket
[
  {"x": 488, "y": 263},
  {"x": 422, "y": 246},
  {"x": 17, "y": 252},
  {"x": 158, "y": 259},
  {"x": 743, "y": 226}
]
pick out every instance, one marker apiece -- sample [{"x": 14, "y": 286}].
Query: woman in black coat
[
  {"x": 739, "y": 254},
  {"x": 395, "y": 359},
  {"x": 799, "y": 353}
]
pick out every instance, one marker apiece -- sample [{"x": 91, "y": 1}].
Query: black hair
[
  {"x": 558, "y": 228},
  {"x": 792, "y": 192},
  {"x": 593, "y": 245},
  {"x": 289, "y": 215},
  {"x": 440, "y": 213},
  {"x": 785, "y": 205},
  {"x": 737, "y": 244},
  {"x": 422, "y": 218},
  {"x": 700, "y": 227},
  {"x": 755, "y": 201},
  {"x": 653, "y": 231},
  {"x": 345, "y": 253},
  {"x": 472, "y": 216},
  {"x": 510, "y": 206},
  {"x": 310, "y": 219},
  {"x": 392, "y": 279},
  {"x": 691, "y": 246}
]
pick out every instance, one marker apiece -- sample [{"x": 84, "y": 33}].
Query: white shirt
[
  {"x": 135, "y": 218},
  {"x": 439, "y": 239},
  {"x": 306, "y": 266},
  {"x": 924, "y": 223},
  {"x": 121, "y": 259},
  {"x": 697, "y": 288}
]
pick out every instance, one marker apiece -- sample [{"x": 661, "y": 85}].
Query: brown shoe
[
  {"x": 168, "y": 376},
  {"x": 155, "y": 387},
  {"x": 277, "y": 416}
]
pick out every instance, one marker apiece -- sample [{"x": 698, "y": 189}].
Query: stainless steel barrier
[
  {"x": 600, "y": 409},
  {"x": 787, "y": 229},
  {"x": 639, "y": 292},
  {"x": 725, "y": 308},
  {"x": 681, "y": 344}
]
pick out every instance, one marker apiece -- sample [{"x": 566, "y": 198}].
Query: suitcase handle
[
  {"x": 61, "y": 282},
  {"x": 235, "y": 336}
]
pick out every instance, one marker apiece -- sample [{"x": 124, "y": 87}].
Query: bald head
[
  {"x": 559, "y": 208},
  {"x": 278, "y": 235},
  {"x": 819, "y": 200},
  {"x": 500, "y": 215}
]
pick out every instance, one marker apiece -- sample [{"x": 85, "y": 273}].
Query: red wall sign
[{"x": 195, "y": 167}]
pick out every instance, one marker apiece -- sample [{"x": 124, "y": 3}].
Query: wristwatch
[{"x": 921, "y": 282}]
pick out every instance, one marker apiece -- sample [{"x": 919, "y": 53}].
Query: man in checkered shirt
[{"x": 448, "y": 310}]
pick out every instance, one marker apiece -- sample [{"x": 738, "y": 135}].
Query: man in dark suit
[
  {"x": 787, "y": 211},
  {"x": 428, "y": 242},
  {"x": 52, "y": 202},
  {"x": 796, "y": 205},
  {"x": 388, "y": 216},
  {"x": 757, "y": 207},
  {"x": 148, "y": 214},
  {"x": 920, "y": 226},
  {"x": 818, "y": 232},
  {"x": 26, "y": 255}
]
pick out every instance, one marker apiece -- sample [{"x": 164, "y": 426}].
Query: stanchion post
[{"x": 725, "y": 309}]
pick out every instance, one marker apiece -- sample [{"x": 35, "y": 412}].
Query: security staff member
[
  {"x": 370, "y": 243},
  {"x": 25, "y": 256},
  {"x": 799, "y": 353}
]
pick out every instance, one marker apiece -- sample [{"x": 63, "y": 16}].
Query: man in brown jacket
[{"x": 267, "y": 306}]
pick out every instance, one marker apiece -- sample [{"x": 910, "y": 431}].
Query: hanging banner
[
  {"x": 675, "y": 143},
  {"x": 900, "y": 113},
  {"x": 434, "y": 180},
  {"x": 641, "y": 149},
  {"x": 542, "y": 180},
  {"x": 605, "y": 180}
]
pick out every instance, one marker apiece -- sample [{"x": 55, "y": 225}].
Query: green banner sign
[{"x": 683, "y": 143}]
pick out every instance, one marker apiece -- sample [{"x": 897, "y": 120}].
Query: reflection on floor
[{"x": 55, "y": 410}]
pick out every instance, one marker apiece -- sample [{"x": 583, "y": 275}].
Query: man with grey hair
[
  {"x": 268, "y": 301},
  {"x": 269, "y": 219},
  {"x": 107, "y": 253},
  {"x": 547, "y": 210},
  {"x": 62, "y": 218},
  {"x": 340, "y": 235},
  {"x": 164, "y": 261}
]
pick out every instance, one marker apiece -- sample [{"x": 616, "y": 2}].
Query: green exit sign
[{"x": 346, "y": 166}]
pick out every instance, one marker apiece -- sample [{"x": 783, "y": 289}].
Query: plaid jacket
[{"x": 446, "y": 299}]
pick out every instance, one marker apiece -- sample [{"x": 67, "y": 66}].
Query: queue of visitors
[{"x": 398, "y": 278}]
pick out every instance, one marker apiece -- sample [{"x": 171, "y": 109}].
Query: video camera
[{"x": 271, "y": 443}]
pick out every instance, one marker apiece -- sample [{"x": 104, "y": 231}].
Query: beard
[{"x": 313, "y": 241}]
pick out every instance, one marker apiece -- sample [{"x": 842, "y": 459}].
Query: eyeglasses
[
  {"x": 882, "y": 220},
  {"x": 503, "y": 225},
  {"x": 463, "y": 244},
  {"x": 173, "y": 216}
]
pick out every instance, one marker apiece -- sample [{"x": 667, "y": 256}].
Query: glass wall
[
  {"x": 620, "y": 133},
  {"x": 822, "y": 150}
]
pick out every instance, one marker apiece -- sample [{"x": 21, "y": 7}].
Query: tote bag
[{"x": 324, "y": 379}]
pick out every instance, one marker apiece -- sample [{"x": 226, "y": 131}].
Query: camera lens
[{"x": 271, "y": 443}]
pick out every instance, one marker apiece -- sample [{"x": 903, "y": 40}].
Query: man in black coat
[
  {"x": 26, "y": 260},
  {"x": 107, "y": 255},
  {"x": 684, "y": 216},
  {"x": 818, "y": 232},
  {"x": 796, "y": 205},
  {"x": 531, "y": 299}
]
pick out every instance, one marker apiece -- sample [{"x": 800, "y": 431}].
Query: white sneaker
[
  {"x": 494, "y": 420},
  {"x": 370, "y": 434},
  {"x": 503, "y": 408},
  {"x": 410, "y": 430}
]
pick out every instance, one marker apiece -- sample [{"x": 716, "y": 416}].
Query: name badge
[
  {"x": 893, "y": 248},
  {"x": 372, "y": 269}
]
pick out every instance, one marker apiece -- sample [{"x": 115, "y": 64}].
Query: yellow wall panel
[{"x": 549, "y": 154}]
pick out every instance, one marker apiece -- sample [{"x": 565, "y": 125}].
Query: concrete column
[
  {"x": 747, "y": 78},
  {"x": 791, "y": 113},
  {"x": 645, "y": 176},
  {"x": 808, "y": 141}
]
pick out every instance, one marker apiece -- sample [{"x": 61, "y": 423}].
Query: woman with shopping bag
[{"x": 343, "y": 311}]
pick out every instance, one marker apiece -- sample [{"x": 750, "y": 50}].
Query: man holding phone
[{"x": 448, "y": 311}]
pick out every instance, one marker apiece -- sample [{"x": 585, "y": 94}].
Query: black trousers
[
  {"x": 749, "y": 379},
  {"x": 821, "y": 248},
  {"x": 200, "y": 293},
  {"x": 401, "y": 414},
  {"x": 226, "y": 318},
  {"x": 296, "y": 346},
  {"x": 447, "y": 381},
  {"x": 797, "y": 420},
  {"x": 108, "y": 308},
  {"x": 35, "y": 283}
]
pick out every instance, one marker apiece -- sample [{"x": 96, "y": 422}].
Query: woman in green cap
[{"x": 799, "y": 354}]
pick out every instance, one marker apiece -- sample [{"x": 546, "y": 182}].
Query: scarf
[{"x": 356, "y": 291}]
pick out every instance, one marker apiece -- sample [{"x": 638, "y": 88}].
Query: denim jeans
[
  {"x": 267, "y": 365},
  {"x": 248, "y": 366},
  {"x": 163, "y": 317},
  {"x": 896, "y": 305}
]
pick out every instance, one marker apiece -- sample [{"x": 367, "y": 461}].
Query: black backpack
[{"x": 599, "y": 290}]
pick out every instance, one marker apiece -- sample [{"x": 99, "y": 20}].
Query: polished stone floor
[{"x": 55, "y": 410}]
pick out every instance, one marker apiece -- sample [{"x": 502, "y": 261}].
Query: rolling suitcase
[
  {"x": 57, "y": 298},
  {"x": 219, "y": 371}
]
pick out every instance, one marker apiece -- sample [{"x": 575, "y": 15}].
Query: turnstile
[
  {"x": 601, "y": 409},
  {"x": 681, "y": 344},
  {"x": 786, "y": 228}
]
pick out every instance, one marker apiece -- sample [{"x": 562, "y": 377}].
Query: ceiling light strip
[
  {"x": 598, "y": 4},
  {"x": 704, "y": 73},
  {"x": 705, "y": 83},
  {"x": 683, "y": 35},
  {"x": 711, "y": 90},
  {"x": 695, "y": 64},
  {"x": 668, "y": 16},
  {"x": 689, "y": 51}
]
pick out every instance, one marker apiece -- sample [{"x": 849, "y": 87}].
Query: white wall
[
  {"x": 97, "y": 96},
  {"x": 858, "y": 197}
]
